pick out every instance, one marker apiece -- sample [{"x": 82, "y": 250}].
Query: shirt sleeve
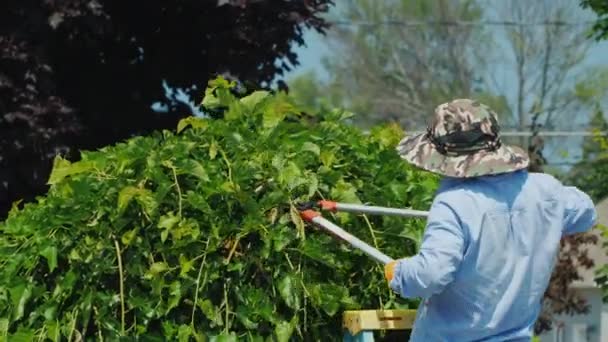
[
  {"x": 579, "y": 214},
  {"x": 440, "y": 255}
]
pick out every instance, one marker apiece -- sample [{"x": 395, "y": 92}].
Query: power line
[
  {"x": 542, "y": 133},
  {"x": 457, "y": 23},
  {"x": 555, "y": 134}
]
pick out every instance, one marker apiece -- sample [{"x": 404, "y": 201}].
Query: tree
[
  {"x": 311, "y": 93},
  {"x": 546, "y": 62},
  {"x": 195, "y": 234},
  {"x": 600, "y": 28},
  {"x": 397, "y": 71},
  {"x": 591, "y": 173},
  {"x": 84, "y": 73},
  {"x": 593, "y": 147}
]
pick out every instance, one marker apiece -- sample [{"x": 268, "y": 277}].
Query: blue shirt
[{"x": 487, "y": 254}]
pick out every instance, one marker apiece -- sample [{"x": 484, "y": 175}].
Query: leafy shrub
[{"x": 194, "y": 234}]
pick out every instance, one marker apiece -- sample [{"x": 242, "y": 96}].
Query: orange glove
[{"x": 389, "y": 270}]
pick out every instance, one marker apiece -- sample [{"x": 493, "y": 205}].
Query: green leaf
[
  {"x": 175, "y": 295},
  {"x": 50, "y": 254},
  {"x": 164, "y": 235},
  {"x": 183, "y": 333},
  {"x": 3, "y": 327},
  {"x": 338, "y": 114},
  {"x": 128, "y": 236},
  {"x": 282, "y": 237},
  {"x": 185, "y": 265},
  {"x": 158, "y": 267},
  {"x": 226, "y": 337},
  {"x": 289, "y": 292},
  {"x": 14, "y": 208},
  {"x": 276, "y": 112},
  {"x": 218, "y": 94},
  {"x": 315, "y": 251},
  {"x": 311, "y": 147},
  {"x": 387, "y": 136},
  {"x": 193, "y": 121},
  {"x": 244, "y": 315},
  {"x": 62, "y": 168},
  {"x": 330, "y": 297},
  {"x": 290, "y": 176},
  {"x": 20, "y": 295},
  {"x": 23, "y": 335},
  {"x": 235, "y": 111},
  {"x": 197, "y": 169},
  {"x": 210, "y": 311},
  {"x": 213, "y": 150},
  {"x": 252, "y": 100},
  {"x": 272, "y": 118},
  {"x": 284, "y": 330},
  {"x": 313, "y": 184},
  {"x": 50, "y": 313},
  {"x": 168, "y": 221},
  {"x": 143, "y": 196},
  {"x": 297, "y": 220},
  {"x": 345, "y": 192},
  {"x": 327, "y": 158}
]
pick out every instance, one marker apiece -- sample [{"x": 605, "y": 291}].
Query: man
[{"x": 492, "y": 234}]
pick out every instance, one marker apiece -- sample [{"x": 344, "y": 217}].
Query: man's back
[{"x": 488, "y": 254}]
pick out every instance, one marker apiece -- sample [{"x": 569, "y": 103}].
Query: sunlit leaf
[
  {"x": 158, "y": 267},
  {"x": 252, "y": 100},
  {"x": 20, "y": 295},
  {"x": 62, "y": 168},
  {"x": 50, "y": 254},
  {"x": 288, "y": 289},
  {"x": 143, "y": 196},
  {"x": 311, "y": 147},
  {"x": 194, "y": 122},
  {"x": 284, "y": 331}
]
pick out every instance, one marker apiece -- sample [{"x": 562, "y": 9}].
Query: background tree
[
  {"x": 400, "y": 70},
  {"x": 81, "y": 74},
  {"x": 600, "y": 29},
  {"x": 591, "y": 173},
  {"x": 312, "y": 93},
  {"x": 546, "y": 64}
]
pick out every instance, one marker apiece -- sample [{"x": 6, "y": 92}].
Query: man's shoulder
[
  {"x": 457, "y": 189},
  {"x": 544, "y": 180},
  {"x": 452, "y": 191}
]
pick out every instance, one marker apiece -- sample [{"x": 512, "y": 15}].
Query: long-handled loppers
[{"x": 309, "y": 214}]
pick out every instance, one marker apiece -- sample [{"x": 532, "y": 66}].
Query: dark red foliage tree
[
  {"x": 81, "y": 74},
  {"x": 560, "y": 297}
]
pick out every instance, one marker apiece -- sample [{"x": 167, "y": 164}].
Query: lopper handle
[
  {"x": 315, "y": 217},
  {"x": 373, "y": 210}
]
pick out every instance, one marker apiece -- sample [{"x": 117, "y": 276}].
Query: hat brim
[{"x": 419, "y": 151}]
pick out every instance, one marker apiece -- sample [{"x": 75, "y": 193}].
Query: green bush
[{"x": 194, "y": 234}]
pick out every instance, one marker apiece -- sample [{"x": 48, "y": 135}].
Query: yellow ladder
[{"x": 359, "y": 325}]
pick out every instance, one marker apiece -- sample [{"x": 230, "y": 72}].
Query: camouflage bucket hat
[{"x": 462, "y": 141}]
